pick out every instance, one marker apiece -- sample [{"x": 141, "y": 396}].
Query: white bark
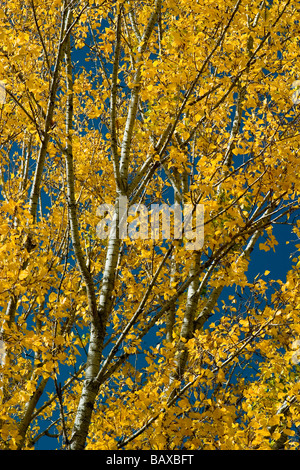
[
  {"x": 133, "y": 105},
  {"x": 187, "y": 328},
  {"x": 35, "y": 191},
  {"x": 98, "y": 330}
]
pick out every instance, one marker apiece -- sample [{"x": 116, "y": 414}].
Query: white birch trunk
[{"x": 97, "y": 335}]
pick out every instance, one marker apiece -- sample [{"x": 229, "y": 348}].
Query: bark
[
  {"x": 133, "y": 105},
  {"x": 35, "y": 191},
  {"x": 91, "y": 384},
  {"x": 113, "y": 104},
  {"x": 171, "y": 314},
  {"x": 97, "y": 333},
  {"x": 27, "y": 417},
  {"x": 73, "y": 218},
  {"x": 188, "y": 319}
]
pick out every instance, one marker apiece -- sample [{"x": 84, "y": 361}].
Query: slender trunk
[
  {"x": 35, "y": 192},
  {"x": 187, "y": 328},
  {"x": 27, "y": 417},
  {"x": 97, "y": 335}
]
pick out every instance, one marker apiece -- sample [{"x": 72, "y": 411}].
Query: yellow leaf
[
  {"x": 274, "y": 421},
  {"x": 23, "y": 275},
  {"x": 52, "y": 297},
  {"x": 264, "y": 247},
  {"x": 129, "y": 382}
]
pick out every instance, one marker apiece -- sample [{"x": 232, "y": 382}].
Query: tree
[{"x": 115, "y": 340}]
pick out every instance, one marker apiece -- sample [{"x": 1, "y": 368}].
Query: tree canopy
[{"x": 139, "y": 340}]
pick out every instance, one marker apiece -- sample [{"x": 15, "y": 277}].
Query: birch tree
[{"x": 114, "y": 335}]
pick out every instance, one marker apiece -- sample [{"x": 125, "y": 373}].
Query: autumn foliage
[{"x": 141, "y": 343}]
